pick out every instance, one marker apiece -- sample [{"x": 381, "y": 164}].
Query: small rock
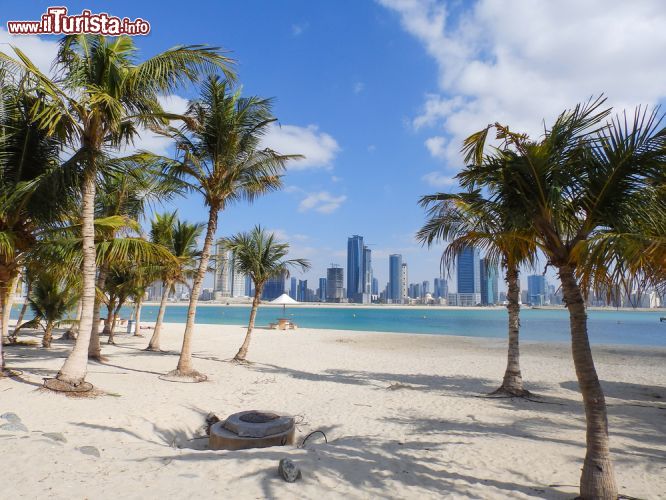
[
  {"x": 288, "y": 470},
  {"x": 10, "y": 417},
  {"x": 55, "y": 436},
  {"x": 89, "y": 450},
  {"x": 14, "y": 426}
]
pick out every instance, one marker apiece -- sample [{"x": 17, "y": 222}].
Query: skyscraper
[
  {"x": 425, "y": 288},
  {"x": 273, "y": 288},
  {"x": 440, "y": 289},
  {"x": 395, "y": 270},
  {"x": 322, "y": 290},
  {"x": 469, "y": 277},
  {"x": 536, "y": 289},
  {"x": 227, "y": 281},
  {"x": 292, "y": 288},
  {"x": 403, "y": 282},
  {"x": 367, "y": 271},
  {"x": 302, "y": 291},
  {"x": 334, "y": 283},
  {"x": 375, "y": 286},
  {"x": 468, "y": 272},
  {"x": 355, "y": 278},
  {"x": 489, "y": 295}
]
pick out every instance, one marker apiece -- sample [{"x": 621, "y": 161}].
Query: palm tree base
[
  {"x": 68, "y": 335},
  {"x": 9, "y": 373},
  {"x": 189, "y": 376},
  {"x": 58, "y": 385},
  {"x": 240, "y": 360},
  {"x": 511, "y": 392},
  {"x": 98, "y": 359},
  {"x": 154, "y": 349}
]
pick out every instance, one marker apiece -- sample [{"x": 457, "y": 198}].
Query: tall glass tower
[
  {"x": 489, "y": 295},
  {"x": 468, "y": 271},
  {"x": 395, "y": 269},
  {"x": 355, "y": 259}
]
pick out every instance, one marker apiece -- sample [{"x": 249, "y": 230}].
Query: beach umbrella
[{"x": 283, "y": 300}]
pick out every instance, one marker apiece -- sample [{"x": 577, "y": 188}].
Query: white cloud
[
  {"x": 439, "y": 180},
  {"x": 437, "y": 146},
  {"x": 358, "y": 87},
  {"x": 319, "y": 148},
  {"x": 520, "y": 62},
  {"x": 42, "y": 51},
  {"x": 322, "y": 202},
  {"x": 298, "y": 29}
]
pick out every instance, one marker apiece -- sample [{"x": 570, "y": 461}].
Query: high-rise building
[
  {"x": 468, "y": 271},
  {"x": 489, "y": 295},
  {"x": 469, "y": 276},
  {"x": 355, "y": 278},
  {"x": 394, "y": 291},
  {"x": 273, "y": 288},
  {"x": 403, "y": 281},
  {"x": 227, "y": 281},
  {"x": 440, "y": 289},
  {"x": 375, "y": 286},
  {"x": 425, "y": 288},
  {"x": 536, "y": 289},
  {"x": 249, "y": 287},
  {"x": 302, "y": 291},
  {"x": 334, "y": 283},
  {"x": 292, "y": 288},
  {"x": 322, "y": 290},
  {"x": 367, "y": 271}
]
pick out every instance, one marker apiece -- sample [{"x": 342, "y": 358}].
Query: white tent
[{"x": 283, "y": 300}]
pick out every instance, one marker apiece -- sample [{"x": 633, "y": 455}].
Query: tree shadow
[{"x": 373, "y": 466}]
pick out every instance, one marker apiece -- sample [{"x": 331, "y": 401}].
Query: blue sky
[{"x": 379, "y": 94}]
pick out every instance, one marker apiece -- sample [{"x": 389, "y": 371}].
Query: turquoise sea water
[{"x": 605, "y": 327}]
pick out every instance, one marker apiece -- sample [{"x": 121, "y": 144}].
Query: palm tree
[
  {"x": 100, "y": 97},
  {"x": 594, "y": 191},
  {"x": 30, "y": 195},
  {"x": 258, "y": 255},
  {"x": 126, "y": 191},
  {"x": 50, "y": 300},
  {"x": 181, "y": 239},
  {"x": 221, "y": 158},
  {"x": 470, "y": 220}
]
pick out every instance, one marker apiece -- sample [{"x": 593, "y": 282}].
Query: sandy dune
[{"x": 400, "y": 412}]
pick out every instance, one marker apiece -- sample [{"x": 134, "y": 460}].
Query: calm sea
[{"x": 605, "y": 327}]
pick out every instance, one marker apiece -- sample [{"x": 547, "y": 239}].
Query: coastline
[{"x": 324, "y": 305}]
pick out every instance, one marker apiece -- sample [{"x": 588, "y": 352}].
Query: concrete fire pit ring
[{"x": 252, "y": 429}]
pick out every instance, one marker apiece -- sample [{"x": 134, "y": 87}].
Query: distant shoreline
[{"x": 317, "y": 305}]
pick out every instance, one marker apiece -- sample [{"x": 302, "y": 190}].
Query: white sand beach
[{"x": 400, "y": 412}]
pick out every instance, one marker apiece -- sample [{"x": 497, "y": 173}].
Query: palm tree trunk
[
  {"x": 184, "y": 368},
  {"x": 242, "y": 352},
  {"x": 24, "y": 308},
  {"x": 109, "y": 317},
  {"x": 7, "y": 305},
  {"x": 3, "y": 294},
  {"x": 154, "y": 344},
  {"x": 114, "y": 316},
  {"x": 6, "y": 286},
  {"x": 94, "y": 348},
  {"x": 48, "y": 335},
  {"x": 598, "y": 479},
  {"x": 513, "y": 380},
  {"x": 74, "y": 370},
  {"x": 137, "y": 325},
  {"x": 73, "y": 330}
]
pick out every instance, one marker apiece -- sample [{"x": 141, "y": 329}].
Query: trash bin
[{"x": 130, "y": 325}]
